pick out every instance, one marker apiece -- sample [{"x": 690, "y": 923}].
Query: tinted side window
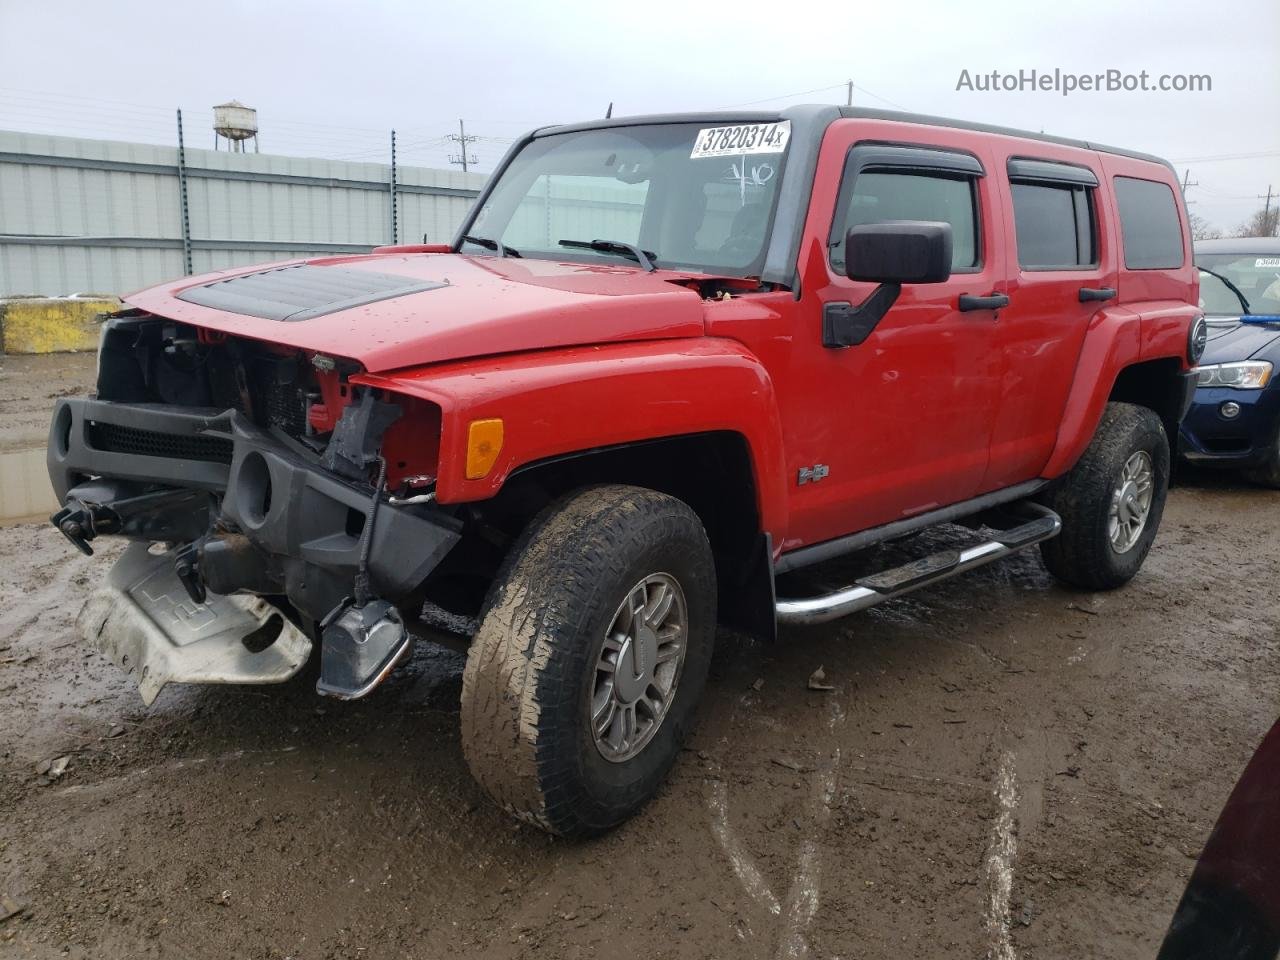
[
  {"x": 880, "y": 195},
  {"x": 1054, "y": 226},
  {"x": 1149, "y": 224}
]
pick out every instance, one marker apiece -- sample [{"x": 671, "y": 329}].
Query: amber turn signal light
[{"x": 484, "y": 443}]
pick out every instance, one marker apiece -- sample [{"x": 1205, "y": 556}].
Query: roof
[
  {"x": 927, "y": 120},
  {"x": 809, "y": 123},
  {"x": 1245, "y": 245},
  {"x": 854, "y": 113}
]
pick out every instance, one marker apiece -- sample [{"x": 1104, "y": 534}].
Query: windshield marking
[{"x": 741, "y": 139}]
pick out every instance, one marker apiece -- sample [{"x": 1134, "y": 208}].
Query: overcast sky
[{"x": 330, "y": 78}]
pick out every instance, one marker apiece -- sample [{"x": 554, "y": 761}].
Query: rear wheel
[
  {"x": 591, "y": 654},
  {"x": 1111, "y": 502}
]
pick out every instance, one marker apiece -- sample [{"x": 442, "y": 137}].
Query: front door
[{"x": 902, "y": 421}]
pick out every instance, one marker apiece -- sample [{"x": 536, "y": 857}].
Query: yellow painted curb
[{"x": 51, "y": 325}]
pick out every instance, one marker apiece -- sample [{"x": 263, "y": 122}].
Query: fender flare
[{"x": 1117, "y": 338}]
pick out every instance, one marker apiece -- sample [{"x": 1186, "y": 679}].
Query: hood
[
  {"x": 402, "y": 310},
  {"x": 1241, "y": 341}
]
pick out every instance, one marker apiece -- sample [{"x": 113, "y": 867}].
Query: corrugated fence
[{"x": 106, "y": 217}]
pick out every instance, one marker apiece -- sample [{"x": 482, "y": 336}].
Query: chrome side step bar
[{"x": 879, "y": 587}]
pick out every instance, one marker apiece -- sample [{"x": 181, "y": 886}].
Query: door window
[
  {"x": 1054, "y": 226},
  {"x": 883, "y": 195}
]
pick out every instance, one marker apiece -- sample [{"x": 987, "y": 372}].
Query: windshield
[
  {"x": 689, "y": 196},
  {"x": 1256, "y": 276}
]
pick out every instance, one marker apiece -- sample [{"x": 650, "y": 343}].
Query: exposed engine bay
[
  {"x": 249, "y": 469},
  {"x": 302, "y": 396}
]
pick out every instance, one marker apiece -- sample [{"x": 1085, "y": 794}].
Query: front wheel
[
  {"x": 1111, "y": 502},
  {"x": 592, "y": 652}
]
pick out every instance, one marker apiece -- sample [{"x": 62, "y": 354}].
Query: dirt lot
[
  {"x": 28, "y": 387},
  {"x": 994, "y": 744}
]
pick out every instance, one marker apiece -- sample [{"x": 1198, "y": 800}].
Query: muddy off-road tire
[
  {"x": 1111, "y": 502},
  {"x": 560, "y": 654}
]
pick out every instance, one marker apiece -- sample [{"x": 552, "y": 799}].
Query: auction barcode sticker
[
  {"x": 1264, "y": 263},
  {"x": 742, "y": 138}
]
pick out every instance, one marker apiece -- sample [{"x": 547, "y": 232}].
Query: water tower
[{"x": 236, "y": 123}]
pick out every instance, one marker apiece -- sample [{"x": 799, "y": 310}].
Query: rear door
[{"x": 1062, "y": 271}]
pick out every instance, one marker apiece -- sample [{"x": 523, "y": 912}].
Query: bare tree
[
  {"x": 1263, "y": 223},
  {"x": 1202, "y": 229}
]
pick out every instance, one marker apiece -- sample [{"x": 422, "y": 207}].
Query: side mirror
[
  {"x": 889, "y": 254},
  {"x": 899, "y": 251}
]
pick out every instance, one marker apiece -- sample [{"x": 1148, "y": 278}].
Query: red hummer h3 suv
[{"x": 665, "y": 360}]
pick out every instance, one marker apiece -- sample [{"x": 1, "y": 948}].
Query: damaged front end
[
  {"x": 146, "y": 622},
  {"x": 255, "y": 483}
]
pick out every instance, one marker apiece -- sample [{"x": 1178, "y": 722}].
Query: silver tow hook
[
  {"x": 361, "y": 645},
  {"x": 362, "y": 638}
]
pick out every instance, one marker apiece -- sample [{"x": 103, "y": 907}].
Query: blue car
[{"x": 1234, "y": 420}]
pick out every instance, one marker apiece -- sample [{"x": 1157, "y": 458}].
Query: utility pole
[
  {"x": 395, "y": 227},
  {"x": 1266, "y": 213},
  {"x": 848, "y": 100},
  {"x": 1188, "y": 182},
  {"x": 185, "y": 210},
  {"x": 461, "y": 139}
]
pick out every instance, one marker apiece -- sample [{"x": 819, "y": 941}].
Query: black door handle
[
  {"x": 993, "y": 302},
  {"x": 1097, "y": 293}
]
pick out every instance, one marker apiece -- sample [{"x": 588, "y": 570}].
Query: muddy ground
[
  {"x": 995, "y": 743},
  {"x": 28, "y": 388}
]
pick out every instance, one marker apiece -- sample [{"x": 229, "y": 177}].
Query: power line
[
  {"x": 1224, "y": 196},
  {"x": 877, "y": 96},
  {"x": 848, "y": 85},
  {"x": 1218, "y": 200},
  {"x": 39, "y": 103},
  {"x": 29, "y": 94},
  {"x": 45, "y": 98},
  {"x": 1229, "y": 156},
  {"x": 788, "y": 96}
]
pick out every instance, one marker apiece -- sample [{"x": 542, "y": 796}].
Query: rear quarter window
[{"x": 1149, "y": 224}]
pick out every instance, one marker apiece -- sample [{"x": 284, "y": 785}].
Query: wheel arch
[
  {"x": 714, "y": 473},
  {"x": 1122, "y": 360},
  {"x": 1156, "y": 384}
]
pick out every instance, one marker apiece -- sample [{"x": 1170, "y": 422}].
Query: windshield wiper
[
  {"x": 642, "y": 257},
  {"x": 501, "y": 249},
  {"x": 1234, "y": 289}
]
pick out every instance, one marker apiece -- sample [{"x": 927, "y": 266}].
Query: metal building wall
[{"x": 105, "y": 217}]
